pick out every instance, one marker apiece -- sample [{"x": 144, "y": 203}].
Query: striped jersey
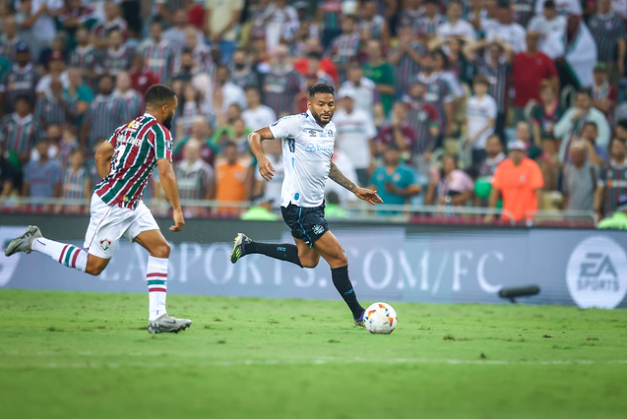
[
  {"x": 102, "y": 29},
  {"x": 20, "y": 81},
  {"x": 119, "y": 60},
  {"x": 344, "y": 48},
  {"x": 160, "y": 60},
  {"x": 614, "y": 178},
  {"x": 499, "y": 78},
  {"x": 193, "y": 179},
  {"x": 20, "y": 134},
  {"x": 606, "y": 31},
  {"x": 438, "y": 93},
  {"x": 280, "y": 90},
  {"x": 49, "y": 110},
  {"x": 74, "y": 183},
  {"x": 332, "y": 11},
  {"x": 409, "y": 17},
  {"x": 104, "y": 114},
  {"x": 84, "y": 58},
  {"x": 427, "y": 26},
  {"x": 202, "y": 58},
  {"x": 375, "y": 26},
  {"x": 138, "y": 145},
  {"x": 422, "y": 116},
  {"x": 7, "y": 48},
  {"x": 406, "y": 69}
]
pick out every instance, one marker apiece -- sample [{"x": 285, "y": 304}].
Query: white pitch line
[{"x": 276, "y": 362}]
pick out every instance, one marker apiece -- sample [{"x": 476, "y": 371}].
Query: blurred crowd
[{"x": 517, "y": 104}]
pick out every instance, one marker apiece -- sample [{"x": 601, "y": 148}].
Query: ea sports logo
[{"x": 596, "y": 273}]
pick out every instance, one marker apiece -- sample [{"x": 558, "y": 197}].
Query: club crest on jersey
[
  {"x": 105, "y": 244},
  {"x": 330, "y": 133},
  {"x": 318, "y": 229}
]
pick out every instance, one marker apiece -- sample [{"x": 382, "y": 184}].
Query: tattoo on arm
[{"x": 338, "y": 177}]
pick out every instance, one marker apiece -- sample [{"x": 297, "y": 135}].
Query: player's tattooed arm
[{"x": 338, "y": 177}]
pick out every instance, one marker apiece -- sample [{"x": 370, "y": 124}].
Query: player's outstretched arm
[
  {"x": 266, "y": 170},
  {"x": 103, "y": 159},
  {"x": 168, "y": 183},
  {"x": 364, "y": 194}
]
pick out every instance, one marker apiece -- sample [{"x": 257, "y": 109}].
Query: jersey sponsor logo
[
  {"x": 105, "y": 244},
  {"x": 312, "y": 133},
  {"x": 596, "y": 274},
  {"x": 168, "y": 145},
  {"x": 318, "y": 148},
  {"x": 311, "y": 148}
]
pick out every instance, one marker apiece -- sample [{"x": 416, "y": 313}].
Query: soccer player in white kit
[
  {"x": 308, "y": 142},
  {"x": 125, "y": 163}
]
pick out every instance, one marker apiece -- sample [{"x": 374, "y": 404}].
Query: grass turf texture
[{"x": 88, "y": 355}]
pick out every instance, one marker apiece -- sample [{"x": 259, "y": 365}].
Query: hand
[
  {"x": 179, "y": 220},
  {"x": 368, "y": 195},
  {"x": 488, "y": 219},
  {"x": 265, "y": 168}
]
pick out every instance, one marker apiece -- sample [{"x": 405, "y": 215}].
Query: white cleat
[
  {"x": 24, "y": 242},
  {"x": 168, "y": 324}
]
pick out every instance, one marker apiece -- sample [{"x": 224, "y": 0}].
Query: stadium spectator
[
  {"x": 85, "y": 57},
  {"x": 612, "y": 184},
  {"x": 579, "y": 180},
  {"x": 42, "y": 178},
  {"x": 76, "y": 180},
  {"x": 518, "y": 180},
  {"x": 158, "y": 54},
  {"x": 450, "y": 186},
  {"x": 20, "y": 130},
  {"x": 410, "y": 12},
  {"x": 141, "y": 76},
  {"x": 574, "y": 53},
  {"x": 53, "y": 134},
  {"x": 222, "y": 19},
  {"x": 345, "y": 165},
  {"x": 564, "y": 7},
  {"x": 20, "y": 80},
  {"x": 596, "y": 154},
  {"x": 481, "y": 118},
  {"x": 119, "y": 54},
  {"x": 603, "y": 94},
  {"x": 523, "y": 11},
  {"x": 545, "y": 114},
  {"x": 166, "y": 8},
  {"x": 438, "y": 93},
  {"x": 200, "y": 131},
  {"x": 455, "y": 26},
  {"x": 507, "y": 30},
  {"x": 280, "y": 23},
  {"x": 9, "y": 38},
  {"x": 355, "y": 135},
  {"x": 123, "y": 90},
  {"x": 364, "y": 88},
  {"x": 57, "y": 71},
  {"x": 201, "y": 53},
  {"x": 257, "y": 114},
  {"x": 54, "y": 108},
  {"x": 344, "y": 48},
  {"x": 314, "y": 69},
  {"x": 282, "y": 84},
  {"x": 241, "y": 72},
  {"x": 494, "y": 157},
  {"x": 36, "y": 26},
  {"x": 396, "y": 129},
  {"x": 547, "y": 22},
  {"x": 191, "y": 106},
  {"x": 608, "y": 31},
  {"x": 394, "y": 182},
  {"x": 194, "y": 177},
  {"x": 104, "y": 114},
  {"x": 176, "y": 34},
  {"x": 78, "y": 95},
  {"x": 112, "y": 21},
  {"x": 231, "y": 184},
  {"x": 312, "y": 45},
  {"x": 405, "y": 58},
  {"x": 374, "y": 23},
  {"x": 426, "y": 121},
  {"x": 530, "y": 69},
  {"x": 570, "y": 124},
  {"x": 427, "y": 25},
  {"x": 381, "y": 73}
]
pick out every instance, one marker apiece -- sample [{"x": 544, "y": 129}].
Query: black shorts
[{"x": 307, "y": 224}]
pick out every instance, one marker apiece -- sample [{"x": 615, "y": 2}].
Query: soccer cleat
[
  {"x": 241, "y": 240},
  {"x": 168, "y": 324},
  {"x": 360, "y": 320},
  {"x": 24, "y": 242}
]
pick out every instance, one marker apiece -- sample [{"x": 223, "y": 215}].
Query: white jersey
[{"x": 307, "y": 152}]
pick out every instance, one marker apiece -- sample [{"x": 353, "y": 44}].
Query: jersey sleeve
[
  {"x": 287, "y": 126},
  {"x": 162, "y": 143}
]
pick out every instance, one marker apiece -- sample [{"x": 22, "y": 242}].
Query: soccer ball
[{"x": 380, "y": 318}]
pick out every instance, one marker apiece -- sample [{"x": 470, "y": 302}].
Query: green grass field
[{"x": 88, "y": 355}]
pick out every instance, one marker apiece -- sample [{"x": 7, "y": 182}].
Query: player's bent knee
[{"x": 161, "y": 251}]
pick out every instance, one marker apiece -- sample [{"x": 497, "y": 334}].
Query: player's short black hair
[
  {"x": 321, "y": 88},
  {"x": 158, "y": 94}
]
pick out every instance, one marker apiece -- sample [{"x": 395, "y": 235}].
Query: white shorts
[{"x": 108, "y": 224}]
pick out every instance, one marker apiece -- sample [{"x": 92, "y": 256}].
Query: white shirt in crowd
[
  {"x": 479, "y": 112},
  {"x": 547, "y": 27},
  {"x": 354, "y": 131},
  {"x": 43, "y": 86},
  {"x": 261, "y": 116},
  {"x": 564, "y": 7},
  {"x": 461, "y": 28},
  {"x": 272, "y": 189},
  {"x": 232, "y": 93},
  {"x": 307, "y": 152},
  {"x": 365, "y": 94},
  {"x": 512, "y": 33}
]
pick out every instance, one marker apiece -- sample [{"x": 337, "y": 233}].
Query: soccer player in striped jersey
[
  {"x": 125, "y": 162},
  {"x": 308, "y": 145}
]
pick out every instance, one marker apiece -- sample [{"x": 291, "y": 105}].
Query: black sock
[
  {"x": 286, "y": 252},
  {"x": 345, "y": 288}
]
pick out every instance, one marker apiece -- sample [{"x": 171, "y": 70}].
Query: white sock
[
  {"x": 157, "y": 277},
  {"x": 65, "y": 254}
]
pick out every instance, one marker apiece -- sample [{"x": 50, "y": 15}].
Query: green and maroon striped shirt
[
  {"x": 138, "y": 145},
  {"x": 614, "y": 178}
]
